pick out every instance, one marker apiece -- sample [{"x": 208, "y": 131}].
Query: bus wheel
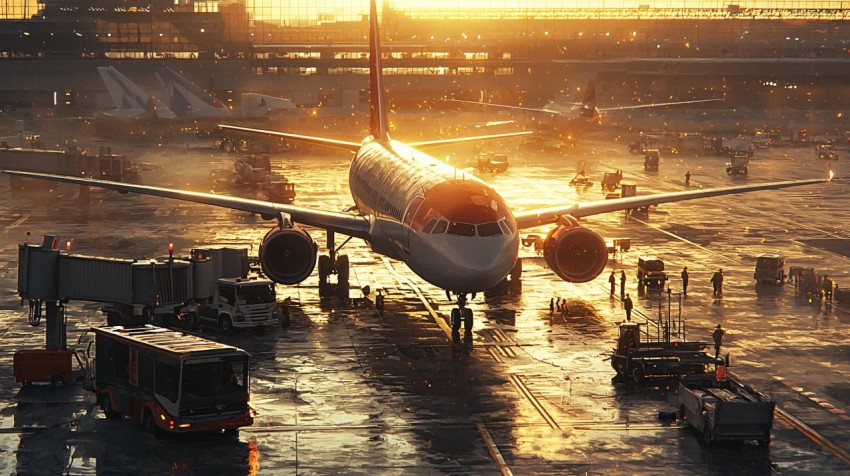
[
  {"x": 107, "y": 408},
  {"x": 148, "y": 424},
  {"x": 225, "y": 324}
]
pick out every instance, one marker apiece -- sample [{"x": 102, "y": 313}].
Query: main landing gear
[
  {"x": 461, "y": 314},
  {"x": 333, "y": 264}
]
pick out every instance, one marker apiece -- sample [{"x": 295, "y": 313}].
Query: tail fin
[
  {"x": 130, "y": 100},
  {"x": 186, "y": 99},
  {"x": 379, "y": 126},
  {"x": 589, "y": 98}
]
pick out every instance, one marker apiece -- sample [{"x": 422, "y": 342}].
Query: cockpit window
[
  {"x": 504, "y": 227},
  {"x": 507, "y": 223},
  {"x": 461, "y": 229},
  {"x": 429, "y": 226},
  {"x": 440, "y": 227},
  {"x": 489, "y": 229}
]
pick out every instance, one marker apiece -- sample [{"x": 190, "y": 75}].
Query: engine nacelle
[
  {"x": 288, "y": 255},
  {"x": 575, "y": 254}
]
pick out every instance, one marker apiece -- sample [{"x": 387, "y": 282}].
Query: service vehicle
[
  {"x": 279, "y": 189},
  {"x": 650, "y": 159},
  {"x": 237, "y": 304},
  {"x": 170, "y": 381},
  {"x": 725, "y": 409},
  {"x": 640, "y": 358},
  {"x": 611, "y": 180},
  {"x": 738, "y": 163},
  {"x": 58, "y": 367},
  {"x": 650, "y": 273},
  {"x": 770, "y": 269},
  {"x": 492, "y": 162},
  {"x": 826, "y": 152}
]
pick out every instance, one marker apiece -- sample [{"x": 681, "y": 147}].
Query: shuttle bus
[{"x": 170, "y": 381}]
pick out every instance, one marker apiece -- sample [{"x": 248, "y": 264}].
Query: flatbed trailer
[
  {"x": 725, "y": 410},
  {"x": 667, "y": 359}
]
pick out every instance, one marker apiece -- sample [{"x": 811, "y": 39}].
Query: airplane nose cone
[{"x": 471, "y": 264}]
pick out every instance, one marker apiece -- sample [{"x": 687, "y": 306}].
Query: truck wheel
[
  {"x": 637, "y": 375},
  {"x": 192, "y": 321},
  {"x": 225, "y": 324},
  {"x": 113, "y": 318}
]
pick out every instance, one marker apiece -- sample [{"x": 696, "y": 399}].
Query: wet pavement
[{"x": 346, "y": 390}]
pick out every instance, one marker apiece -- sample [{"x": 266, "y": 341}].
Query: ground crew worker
[
  {"x": 717, "y": 282},
  {"x": 613, "y": 281},
  {"x": 688, "y": 178},
  {"x": 551, "y": 306},
  {"x": 685, "y": 278},
  {"x": 627, "y": 305},
  {"x": 622, "y": 283},
  {"x": 717, "y": 336}
]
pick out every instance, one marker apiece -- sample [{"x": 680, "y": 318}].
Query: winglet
[{"x": 379, "y": 127}]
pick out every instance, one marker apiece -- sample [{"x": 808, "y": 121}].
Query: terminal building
[{"x": 787, "y": 55}]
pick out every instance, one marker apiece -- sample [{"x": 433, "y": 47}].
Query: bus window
[{"x": 166, "y": 380}]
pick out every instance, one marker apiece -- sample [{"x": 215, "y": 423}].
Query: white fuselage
[{"x": 449, "y": 227}]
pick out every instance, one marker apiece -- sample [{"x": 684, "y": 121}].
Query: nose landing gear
[{"x": 461, "y": 314}]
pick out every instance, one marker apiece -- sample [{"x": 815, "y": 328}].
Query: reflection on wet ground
[{"x": 348, "y": 390}]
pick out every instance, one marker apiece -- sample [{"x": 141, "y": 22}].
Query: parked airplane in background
[
  {"x": 187, "y": 99},
  {"x": 450, "y": 228},
  {"x": 130, "y": 100},
  {"x": 586, "y": 109}
]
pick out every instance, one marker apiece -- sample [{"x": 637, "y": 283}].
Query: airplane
[
  {"x": 130, "y": 100},
  {"x": 186, "y": 98},
  {"x": 449, "y": 227},
  {"x": 586, "y": 109}
]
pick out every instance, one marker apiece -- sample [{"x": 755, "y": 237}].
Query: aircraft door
[{"x": 408, "y": 221}]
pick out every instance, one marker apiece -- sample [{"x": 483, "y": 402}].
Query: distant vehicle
[
  {"x": 651, "y": 273},
  {"x": 738, "y": 163},
  {"x": 611, "y": 180},
  {"x": 770, "y": 269},
  {"x": 279, "y": 189},
  {"x": 826, "y": 152},
  {"x": 761, "y": 140},
  {"x": 170, "y": 381},
  {"x": 492, "y": 162},
  {"x": 650, "y": 159},
  {"x": 238, "y": 304}
]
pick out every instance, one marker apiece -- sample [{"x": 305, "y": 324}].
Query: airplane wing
[
  {"x": 354, "y": 146},
  {"x": 545, "y": 216},
  {"x": 437, "y": 143},
  {"x": 339, "y": 144},
  {"x": 351, "y": 225},
  {"x": 657, "y": 104},
  {"x": 505, "y": 106}
]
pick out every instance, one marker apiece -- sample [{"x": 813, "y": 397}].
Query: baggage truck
[{"x": 725, "y": 410}]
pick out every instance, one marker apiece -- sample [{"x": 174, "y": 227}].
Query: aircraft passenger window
[
  {"x": 440, "y": 227},
  {"x": 461, "y": 229},
  {"x": 429, "y": 226},
  {"x": 489, "y": 229}
]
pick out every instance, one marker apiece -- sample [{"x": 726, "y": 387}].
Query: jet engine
[
  {"x": 575, "y": 254},
  {"x": 288, "y": 255}
]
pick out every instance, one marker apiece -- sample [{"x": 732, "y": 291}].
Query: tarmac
[{"x": 348, "y": 390}]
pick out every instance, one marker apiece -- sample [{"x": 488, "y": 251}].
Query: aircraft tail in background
[
  {"x": 186, "y": 99},
  {"x": 130, "y": 100}
]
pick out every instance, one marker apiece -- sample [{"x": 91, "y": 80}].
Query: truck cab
[
  {"x": 651, "y": 273},
  {"x": 241, "y": 303},
  {"x": 770, "y": 269}
]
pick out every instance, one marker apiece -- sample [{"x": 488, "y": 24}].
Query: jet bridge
[{"x": 49, "y": 277}]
